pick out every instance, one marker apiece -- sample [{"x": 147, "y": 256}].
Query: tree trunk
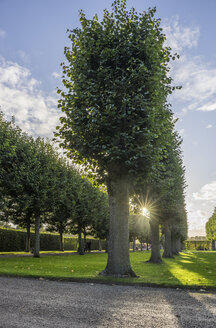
[
  {"x": 118, "y": 263},
  {"x": 155, "y": 242},
  {"x": 213, "y": 245},
  {"x": 37, "y": 236},
  {"x": 28, "y": 235},
  {"x": 147, "y": 246},
  {"x": 134, "y": 244},
  {"x": 61, "y": 243},
  {"x": 178, "y": 244},
  {"x": 174, "y": 243},
  {"x": 81, "y": 248},
  {"x": 85, "y": 242},
  {"x": 168, "y": 244},
  {"x": 99, "y": 245}
]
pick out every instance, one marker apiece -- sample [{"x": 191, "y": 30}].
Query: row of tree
[
  {"x": 39, "y": 187},
  {"x": 118, "y": 124},
  {"x": 211, "y": 229}
]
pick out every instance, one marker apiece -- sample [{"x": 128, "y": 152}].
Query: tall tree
[
  {"x": 211, "y": 229},
  {"x": 27, "y": 174},
  {"x": 115, "y": 108},
  {"x": 64, "y": 199}
]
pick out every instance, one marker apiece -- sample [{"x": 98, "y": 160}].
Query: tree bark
[
  {"x": 81, "y": 248},
  {"x": 118, "y": 263},
  {"x": 213, "y": 245},
  {"x": 178, "y": 244},
  {"x": 28, "y": 235},
  {"x": 168, "y": 244},
  {"x": 174, "y": 243},
  {"x": 99, "y": 245},
  {"x": 134, "y": 244},
  {"x": 155, "y": 242},
  {"x": 37, "y": 236},
  {"x": 61, "y": 240},
  {"x": 85, "y": 242}
]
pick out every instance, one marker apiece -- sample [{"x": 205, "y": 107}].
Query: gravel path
[{"x": 40, "y": 303}]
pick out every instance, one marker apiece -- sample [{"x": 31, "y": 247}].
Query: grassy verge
[{"x": 191, "y": 270}]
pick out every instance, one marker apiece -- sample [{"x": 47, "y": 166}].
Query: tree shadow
[
  {"x": 194, "y": 309},
  {"x": 201, "y": 265},
  {"x": 66, "y": 304}
]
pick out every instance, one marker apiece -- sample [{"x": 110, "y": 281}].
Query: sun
[{"x": 145, "y": 212}]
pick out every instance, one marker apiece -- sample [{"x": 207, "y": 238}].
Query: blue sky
[{"x": 32, "y": 40}]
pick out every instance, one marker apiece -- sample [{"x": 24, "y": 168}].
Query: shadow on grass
[{"x": 199, "y": 265}]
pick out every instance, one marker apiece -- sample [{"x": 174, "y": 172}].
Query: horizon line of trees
[{"x": 39, "y": 187}]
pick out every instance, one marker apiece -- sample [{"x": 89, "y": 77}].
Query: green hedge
[
  {"x": 70, "y": 244},
  {"x": 12, "y": 240},
  {"x": 95, "y": 244},
  {"x": 198, "y": 245}
]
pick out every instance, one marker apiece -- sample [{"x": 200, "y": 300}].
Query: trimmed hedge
[
  {"x": 70, "y": 243},
  {"x": 198, "y": 245},
  {"x": 95, "y": 244},
  {"x": 12, "y": 240}
]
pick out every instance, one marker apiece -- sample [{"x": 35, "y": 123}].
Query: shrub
[{"x": 13, "y": 240}]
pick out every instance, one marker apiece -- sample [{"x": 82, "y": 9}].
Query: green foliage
[
  {"x": 139, "y": 228},
  {"x": 198, "y": 245},
  {"x": 35, "y": 181},
  {"x": 12, "y": 240},
  {"x": 116, "y": 84},
  {"x": 211, "y": 227},
  {"x": 70, "y": 243}
]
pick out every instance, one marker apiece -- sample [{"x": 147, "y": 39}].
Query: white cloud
[
  {"x": 198, "y": 213},
  {"x": 179, "y": 37},
  {"x": 181, "y": 132},
  {"x": 209, "y": 126},
  {"x": 198, "y": 79},
  {"x": 24, "y": 56},
  {"x": 199, "y": 84},
  {"x": 20, "y": 96},
  {"x": 2, "y": 34},
  {"x": 56, "y": 75},
  {"x": 207, "y": 192},
  {"x": 210, "y": 106}
]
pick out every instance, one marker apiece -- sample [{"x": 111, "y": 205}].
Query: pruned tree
[
  {"x": 115, "y": 110},
  {"x": 211, "y": 229},
  {"x": 64, "y": 199}
]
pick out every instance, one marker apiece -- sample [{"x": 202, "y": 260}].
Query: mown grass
[{"x": 189, "y": 269}]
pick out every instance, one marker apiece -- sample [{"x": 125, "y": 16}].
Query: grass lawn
[{"x": 189, "y": 269}]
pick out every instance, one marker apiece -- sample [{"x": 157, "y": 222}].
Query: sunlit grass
[{"x": 186, "y": 270}]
